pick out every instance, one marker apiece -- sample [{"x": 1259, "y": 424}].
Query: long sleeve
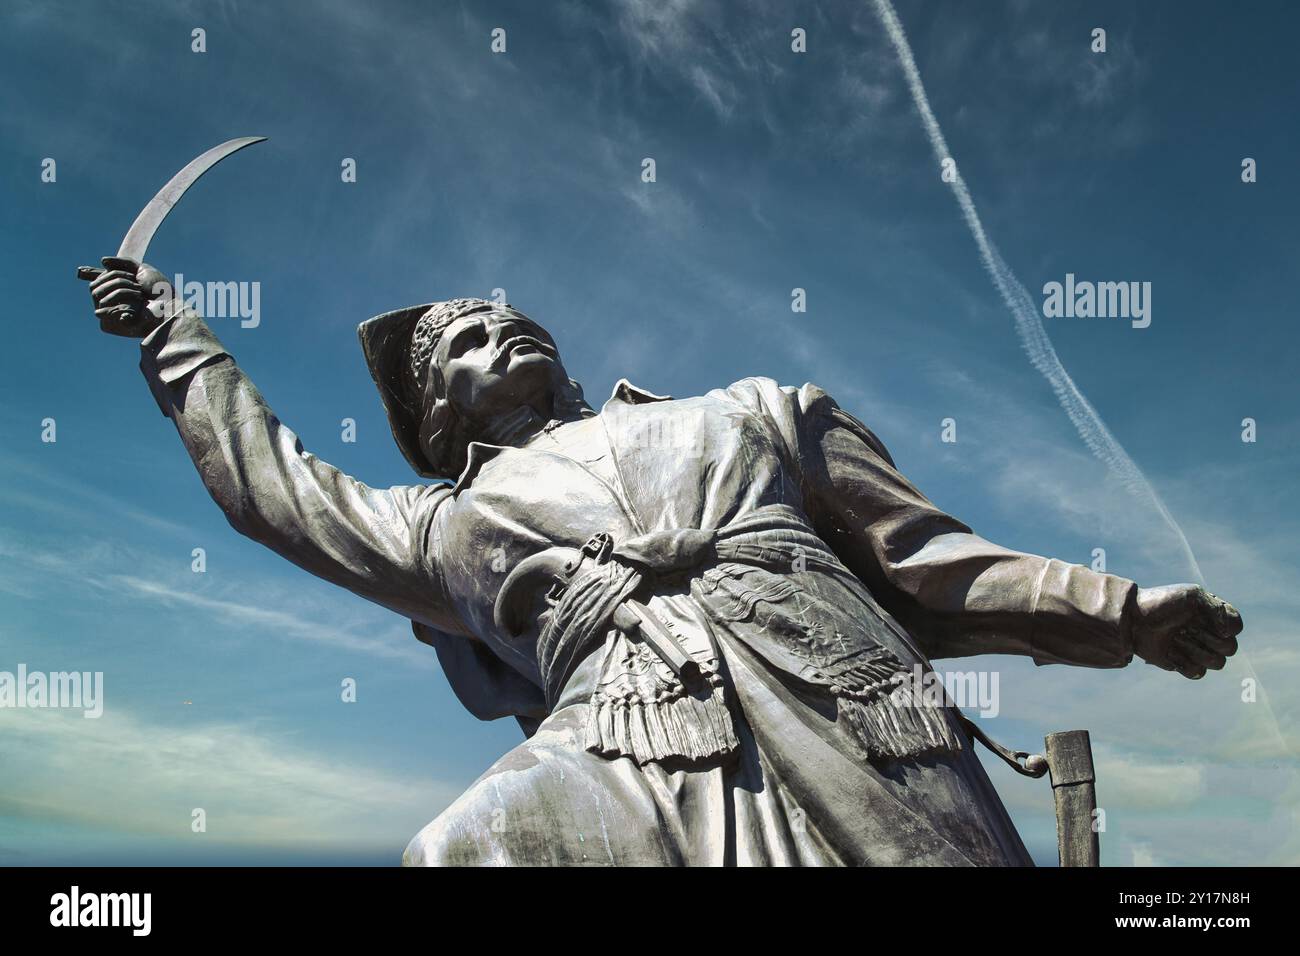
[
  {"x": 956, "y": 593},
  {"x": 379, "y": 544}
]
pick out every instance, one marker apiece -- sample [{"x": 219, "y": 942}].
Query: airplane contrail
[
  {"x": 1033, "y": 337},
  {"x": 1029, "y": 325}
]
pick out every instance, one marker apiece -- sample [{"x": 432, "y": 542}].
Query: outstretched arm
[
  {"x": 959, "y": 594},
  {"x": 379, "y": 544},
  {"x": 968, "y": 596}
]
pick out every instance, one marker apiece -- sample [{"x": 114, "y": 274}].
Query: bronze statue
[{"x": 699, "y": 610}]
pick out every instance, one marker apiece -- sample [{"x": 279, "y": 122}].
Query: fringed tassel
[
  {"x": 870, "y": 676},
  {"x": 892, "y": 729},
  {"x": 683, "y": 727}
]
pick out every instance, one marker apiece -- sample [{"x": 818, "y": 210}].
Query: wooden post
[{"x": 1069, "y": 760}]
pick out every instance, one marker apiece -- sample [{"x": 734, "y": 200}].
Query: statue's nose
[{"x": 507, "y": 327}]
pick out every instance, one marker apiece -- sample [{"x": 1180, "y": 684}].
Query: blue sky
[{"x": 522, "y": 171}]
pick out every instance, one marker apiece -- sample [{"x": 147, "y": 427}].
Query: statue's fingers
[
  {"x": 115, "y": 321},
  {"x": 1229, "y": 617},
  {"x": 115, "y": 263},
  {"x": 1214, "y": 642},
  {"x": 106, "y": 277},
  {"x": 1165, "y": 662},
  {"x": 1198, "y": 651},
  {"x": 122, "y": 282},
  {"x": 127, "y": 295},
  {"x": 1222, "y": 622},
  {"x": 1221, "y": 643},
  {"x": 1180, "y": 661},
  {"x": 113, "y": 315}
]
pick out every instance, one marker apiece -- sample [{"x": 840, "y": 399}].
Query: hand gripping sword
[{"x": 136, "y": 243}]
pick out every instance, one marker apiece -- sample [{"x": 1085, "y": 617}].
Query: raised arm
[
  {"x": 959, "y": 594},
  {"x": 377, "y": 543}
]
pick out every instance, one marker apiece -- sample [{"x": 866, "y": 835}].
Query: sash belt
[{"x": 655, "y": 700}]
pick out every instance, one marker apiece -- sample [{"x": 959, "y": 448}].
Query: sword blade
[{"x": 136, "y": 242}]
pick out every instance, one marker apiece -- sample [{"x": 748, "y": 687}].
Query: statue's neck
[{"x": 521, "y": 425}]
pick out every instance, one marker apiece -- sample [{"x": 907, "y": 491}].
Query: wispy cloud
[
  {"x": 672, "y": 36},
  {"x": 274, "y": 621},
  {"x": 28, "y": 484},
  {"x": 124, "y": 773},
  {"x": 281, "y": 612}
]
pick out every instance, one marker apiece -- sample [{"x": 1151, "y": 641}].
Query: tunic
[{"x": 770, "y": 533}]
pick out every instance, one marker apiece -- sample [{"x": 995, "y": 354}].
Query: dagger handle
[{"x": 662, "y": 642}]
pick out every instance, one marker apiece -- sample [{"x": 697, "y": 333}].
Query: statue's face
[{"x": 494, "y": 361}]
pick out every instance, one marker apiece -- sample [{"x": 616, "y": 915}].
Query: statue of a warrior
[{"x": 699, "y": 610}]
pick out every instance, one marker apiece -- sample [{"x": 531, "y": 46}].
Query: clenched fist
[
  {"x": 131, "y": 298},
  {"x": 1184, "y": 628}
]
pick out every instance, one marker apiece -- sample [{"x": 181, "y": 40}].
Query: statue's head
[{"x": 453, "y": 370}]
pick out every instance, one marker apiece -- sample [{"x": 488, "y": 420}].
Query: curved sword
[{"x": 136, "y": 242}]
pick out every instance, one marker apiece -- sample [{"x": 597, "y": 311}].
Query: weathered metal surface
[{"x": 1069, "y": 761}]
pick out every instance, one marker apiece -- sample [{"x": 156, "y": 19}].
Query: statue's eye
[{"x": 471, "y": 338}]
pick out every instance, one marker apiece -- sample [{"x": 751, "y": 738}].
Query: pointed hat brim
[{"x": 385, "y": 340}]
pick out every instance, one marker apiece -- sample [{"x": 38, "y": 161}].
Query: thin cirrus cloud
[
  {"x": 254, "y": 785},
  {"x": 282, "y": 623},
  {"x": 93, "y": 557}
]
